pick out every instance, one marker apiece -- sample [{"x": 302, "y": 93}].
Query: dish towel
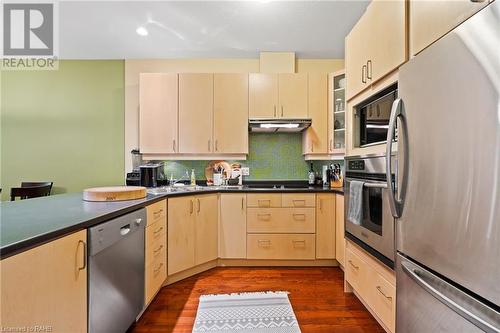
[{"x": 354, "y": 214}]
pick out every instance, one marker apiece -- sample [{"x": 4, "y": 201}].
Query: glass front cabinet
[{"x": 336, "y": 112}]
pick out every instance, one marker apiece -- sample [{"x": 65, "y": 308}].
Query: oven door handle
[
  {"x": 397, "y": 111},
  {"x": 375, "y": 185}
]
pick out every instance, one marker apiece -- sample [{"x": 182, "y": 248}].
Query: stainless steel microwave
[{"x": 372, "y": 117}]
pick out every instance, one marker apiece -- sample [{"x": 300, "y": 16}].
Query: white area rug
[{"x": 265, "y": 312}]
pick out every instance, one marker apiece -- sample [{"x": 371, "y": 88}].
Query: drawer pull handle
[
  {"x": 84, "y": 255},
  {"x": 354, "y": 266},
  {"x": 264, "y": 243},
  {"x": 383, "y": 294},
  {"x": 158, "y": 249},
  {"x": 158, "y": 230},
  {"x": 302, "y": 216},
  {"x": 156, "y": 271},
  {"x": 297, "y": 242},
  {"x": 264, "y": 200},
  {"x": 157, "y": 213},
  {"x": 302, "y": 202},
  {"x": 265, "y": 217}
]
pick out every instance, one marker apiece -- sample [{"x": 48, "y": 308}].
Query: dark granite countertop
[{"x": 29, "y": 223}]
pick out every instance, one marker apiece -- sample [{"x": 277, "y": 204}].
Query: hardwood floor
[{"x": 316, "y": 294}]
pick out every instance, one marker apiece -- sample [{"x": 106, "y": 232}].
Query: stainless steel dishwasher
[{"x": 116, "y": 273}]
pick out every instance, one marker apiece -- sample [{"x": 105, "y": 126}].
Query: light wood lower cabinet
[
  {"x": 280, "y": 246},
  {"x": 206, "y": 247},
  {"x": 374, "y": 283},
  {"x": 264, "y": 200},
  {"x": 192, "y": 231},
  {"x": 298, "y": 200},
  {"x": 46, "y": 286},
  {"x": 181, "y": 234},
  {"x": 233, "y": 226},
  {"x": 325, "y": 226},
  {"x": 339, "y": 229},
  {"x": 280, "y": 220},
  {"x": 155, "y": 249}
]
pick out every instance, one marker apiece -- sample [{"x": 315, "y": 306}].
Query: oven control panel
[{"x": 356, "y": 165}]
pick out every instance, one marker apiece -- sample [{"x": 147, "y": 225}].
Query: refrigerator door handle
[
  {"x": 455, "y": 299},
  {"x": 397, "y": 111}
]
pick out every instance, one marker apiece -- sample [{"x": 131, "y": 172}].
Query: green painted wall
[
  {"x": 66, "y": 126},
  {"x": 271, "y": 157}
]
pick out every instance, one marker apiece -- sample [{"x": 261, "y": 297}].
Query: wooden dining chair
[
  {"x": 31, "y": 184},
  {"x": 37, "y": 189}
]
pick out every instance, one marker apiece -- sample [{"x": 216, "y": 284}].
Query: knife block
[{"x": 337, "y": 183}]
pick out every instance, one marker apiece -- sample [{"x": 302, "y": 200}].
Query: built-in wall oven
[{"x": 374, "y": 230}]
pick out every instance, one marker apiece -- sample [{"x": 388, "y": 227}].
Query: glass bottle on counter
[{"x": 311, "y": 175}]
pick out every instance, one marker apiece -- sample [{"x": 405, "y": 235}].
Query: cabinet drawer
[
  {"x": 155, "y": 275},
  {"x": 383, "y": 298},
  {"x": 280, "y": 220},
  {"x": 156, "y": 212},
  {"x": 357, "y": 273},
  {"x": 298, "y": 200},
  {"x": 373, "y": 282},
  {"x": 282, "y": 246},
  {"x": 154, "y": 232},
  {"x": 264, "y": 200},
  {"x": 156, "y": 248}
]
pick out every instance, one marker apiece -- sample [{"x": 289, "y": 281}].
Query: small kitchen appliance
[{"x": 152, "y": 175}]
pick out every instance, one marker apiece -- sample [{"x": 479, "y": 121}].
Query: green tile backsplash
[{"x": 271, "y": 157}]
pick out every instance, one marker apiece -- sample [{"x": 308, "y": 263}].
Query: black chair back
[{"x": 27, "y": 192}]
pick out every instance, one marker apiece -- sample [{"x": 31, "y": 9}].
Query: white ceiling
[{"x": 213, "y": 29}]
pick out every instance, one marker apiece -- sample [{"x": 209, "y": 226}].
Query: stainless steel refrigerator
[{"x": 448, "y": 219}]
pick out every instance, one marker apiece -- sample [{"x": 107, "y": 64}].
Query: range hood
[{"x": 278, "y": 125}]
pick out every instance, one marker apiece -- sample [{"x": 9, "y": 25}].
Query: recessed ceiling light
[{"x": 142, "y": 31}]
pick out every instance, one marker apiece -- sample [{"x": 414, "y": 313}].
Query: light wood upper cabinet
[
  {"x": 196, "y": 92},
  {"x": 315, "y": 138},
  {"x": 207, "y": 216},
  {"x": 430, "y": 20},
  {"x": 158, "y": 112},
  {"x": 181, "y": 234},
  {"x": 263, "y": 95},
  {"x": 387, "y": 22},
  {"x": 325, "y": 226},
  {"x": 47, "y": 286},
  {"x": 356, "y": 58},
  {"x": 293, "y": 95},
  {"x": 339, "y": 229},
  {"x": 231, "y": 113},
  {"x": 376, "y": 45},
  {"x": 233, "y": 226},
  {"x": 278, "y": 95}
]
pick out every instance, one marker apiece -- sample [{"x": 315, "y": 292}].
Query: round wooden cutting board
[{"x": 114, "y": 193}]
